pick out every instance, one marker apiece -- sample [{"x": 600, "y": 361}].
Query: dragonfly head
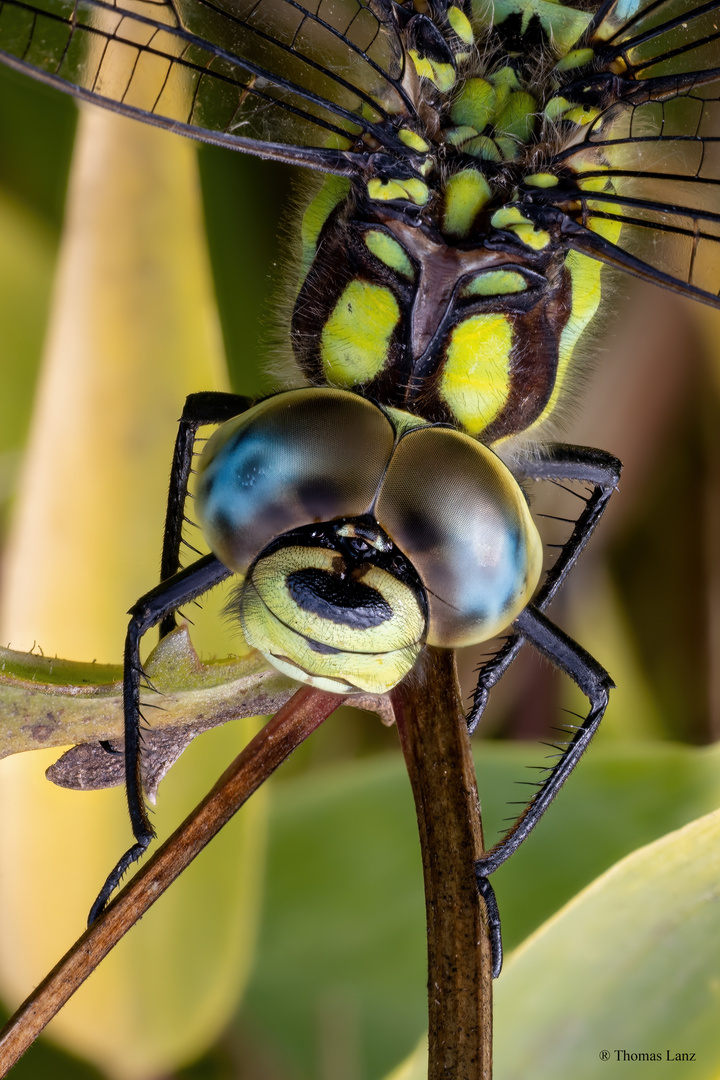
[{"x": 362, "y": 534}]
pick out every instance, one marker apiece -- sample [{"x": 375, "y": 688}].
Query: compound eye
[
  {"x": 300, "y": 457},
  {"x": 457, "y": 513}
]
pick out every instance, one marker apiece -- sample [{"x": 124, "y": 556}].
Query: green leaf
[{"x": 628, "y": 967}]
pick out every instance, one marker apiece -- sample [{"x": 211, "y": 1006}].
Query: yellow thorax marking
[
  {"x": 386, "y": 190},
  {"x": 511, "y": 219},
  {"x": 475, "y": 380},
  {"x": 355, "y": 339},
  {"x": 441, "y": 75}
]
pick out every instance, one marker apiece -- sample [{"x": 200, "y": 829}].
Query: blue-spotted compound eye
[
  {"x": 457, "y": 513},
  {"x": 334, "y": 605},
  {"x": 299, "y": 457}
]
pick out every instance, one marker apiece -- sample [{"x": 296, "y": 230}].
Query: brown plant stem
[
  {"x": 436, "y": 746},
  {"x": 297, "y": 719}
]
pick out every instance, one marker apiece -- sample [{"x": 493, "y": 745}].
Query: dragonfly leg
[
  {"x": 596, "y": 684},
  {"x": 181, "y": 588},
  {"x": 584, "y": 464},
  {"x": 200, "y": 409},
  {"x": 556, "y": 462}
]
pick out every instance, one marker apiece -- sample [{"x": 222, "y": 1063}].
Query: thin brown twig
[
  {"x": 297, "y": 719},
  {"x": 436, "y": 746}
]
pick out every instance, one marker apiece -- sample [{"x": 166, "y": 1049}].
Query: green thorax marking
[
  {"x": 494, "y": 283},
  {"x": 493, "y": 116},
  {"x": 333, "y": 190},
  {"x": 388, "y": 251}
]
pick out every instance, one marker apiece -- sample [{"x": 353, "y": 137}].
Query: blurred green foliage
[
  {"x": 36, "y": 130},
  {"x": 245, "y": 201}
]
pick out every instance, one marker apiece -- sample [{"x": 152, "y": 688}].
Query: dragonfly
[{"x": 480, "y": 166}]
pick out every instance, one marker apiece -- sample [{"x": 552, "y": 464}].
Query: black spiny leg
[
  {"x": 200, "y": 409},
  {"x": 157, "y": 604},
  {"x": 602, "y": 472},
  {"x": 558, "y": 462},
  {"x": 596, "y": 684}
]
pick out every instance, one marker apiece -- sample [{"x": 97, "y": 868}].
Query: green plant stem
[
  {"x": 436, "y": 746},
  {"x": 281, "y": 735}
]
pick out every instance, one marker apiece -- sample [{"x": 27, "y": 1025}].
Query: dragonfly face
[{"x": 361, "y": 534}]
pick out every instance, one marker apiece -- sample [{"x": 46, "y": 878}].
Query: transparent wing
[
  {"x": 278, "y": 78},
  {"x": 639, "y": 186},
  {"x": 643, "y": 188},
  {"x": 653, "y": 39}
]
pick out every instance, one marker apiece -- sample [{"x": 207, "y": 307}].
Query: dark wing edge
[
  {"x": 581, "y": 239},
  {"x": 660, "y": 239}
]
